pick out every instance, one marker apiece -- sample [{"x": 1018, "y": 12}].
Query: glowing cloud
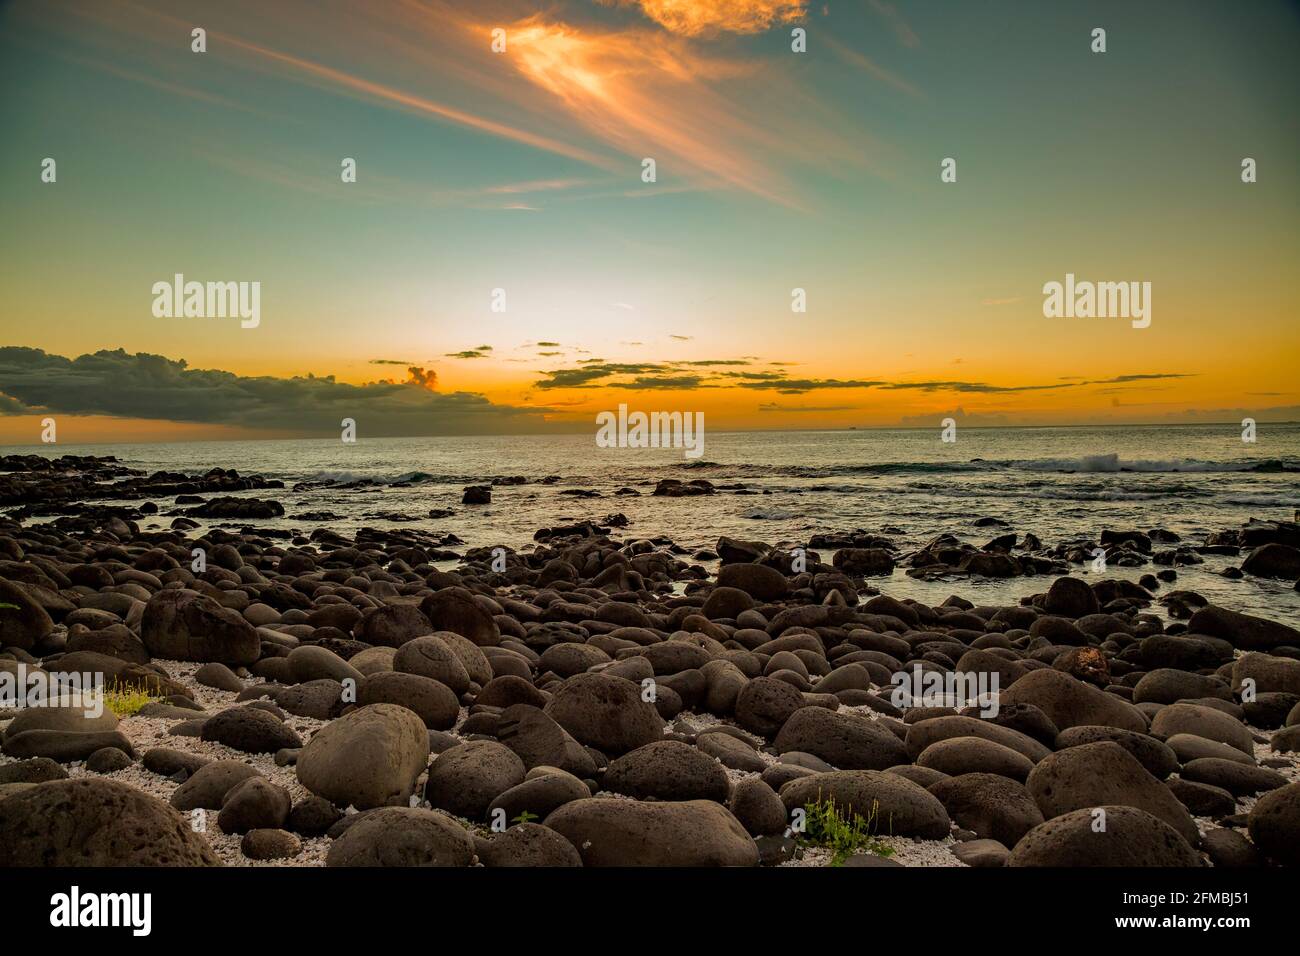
[{"x": 694, "y": 18}]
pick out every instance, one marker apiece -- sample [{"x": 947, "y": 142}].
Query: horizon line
[{"x": 730, "y": 431}]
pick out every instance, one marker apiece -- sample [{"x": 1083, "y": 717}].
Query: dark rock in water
[
  {"x": 674, "y": 488},
  {"x": 1244, "y": 631},
  {"x": 477, "y": 495},
  {"x": 229, "y": 507},
  {"x": 990, "y": 564},
  {"x": 613, "y": 832},
  {"x": 864, "y": 562},
  {"x": 1136, "y": 539},
  {"x": 1071, "y": 597},
  {"x": 188, "y": 626},
  {"x": 1273, "y": 561},
  {"x": 91, "y": 821},
  {"x": 1131, "y": 837},
  {"x": 1274, "y": 824},
  {"x": 733, "y": 550},
  {"x": 402, "y": 836},
  {"x": 270, "y": 844},
  {"x": 757, "y": 580}
]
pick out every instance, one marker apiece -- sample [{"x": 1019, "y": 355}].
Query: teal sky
[{"x": 776, "y": 170}]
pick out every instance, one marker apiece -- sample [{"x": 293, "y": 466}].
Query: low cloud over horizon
[
  {"x": 119, "y": 384},
  {"x": 143, "y": 387}
]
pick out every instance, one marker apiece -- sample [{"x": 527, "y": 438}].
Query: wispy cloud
[
  {"x": 777, "y": 407},
  {"x": 870, "y": 67},
  {"x": 903, "y": 31},
  {"x": 722, "y": 373}
]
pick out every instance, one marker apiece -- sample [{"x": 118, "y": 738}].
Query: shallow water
[{"x": 1058, "y": 483}]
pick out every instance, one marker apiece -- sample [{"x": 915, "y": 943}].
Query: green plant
[
  {"x": 125, "y": 699},
  {"x": 525, "y": 816},
  {"x": 6, "y": 606},
  {"x": 843, "y": 833}
]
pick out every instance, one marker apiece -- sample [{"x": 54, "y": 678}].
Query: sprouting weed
[
  {"x": 842, "y": 833},
  {"x": 125, "y": 699}
]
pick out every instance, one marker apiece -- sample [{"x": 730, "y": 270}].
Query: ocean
[{"x": 1060, "y": 484}]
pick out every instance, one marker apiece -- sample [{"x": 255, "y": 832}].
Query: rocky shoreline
[{"x": 600, "y": 698}]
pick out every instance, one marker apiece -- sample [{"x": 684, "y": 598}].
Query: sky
[{"x": 522, "y": 171}]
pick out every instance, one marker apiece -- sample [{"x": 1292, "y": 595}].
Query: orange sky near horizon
[{"x": 522, "y": 170}]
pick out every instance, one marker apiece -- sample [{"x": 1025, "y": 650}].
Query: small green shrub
[
  {"x": 125, "y": 699},
  {"x": 842, "y": 833}
]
